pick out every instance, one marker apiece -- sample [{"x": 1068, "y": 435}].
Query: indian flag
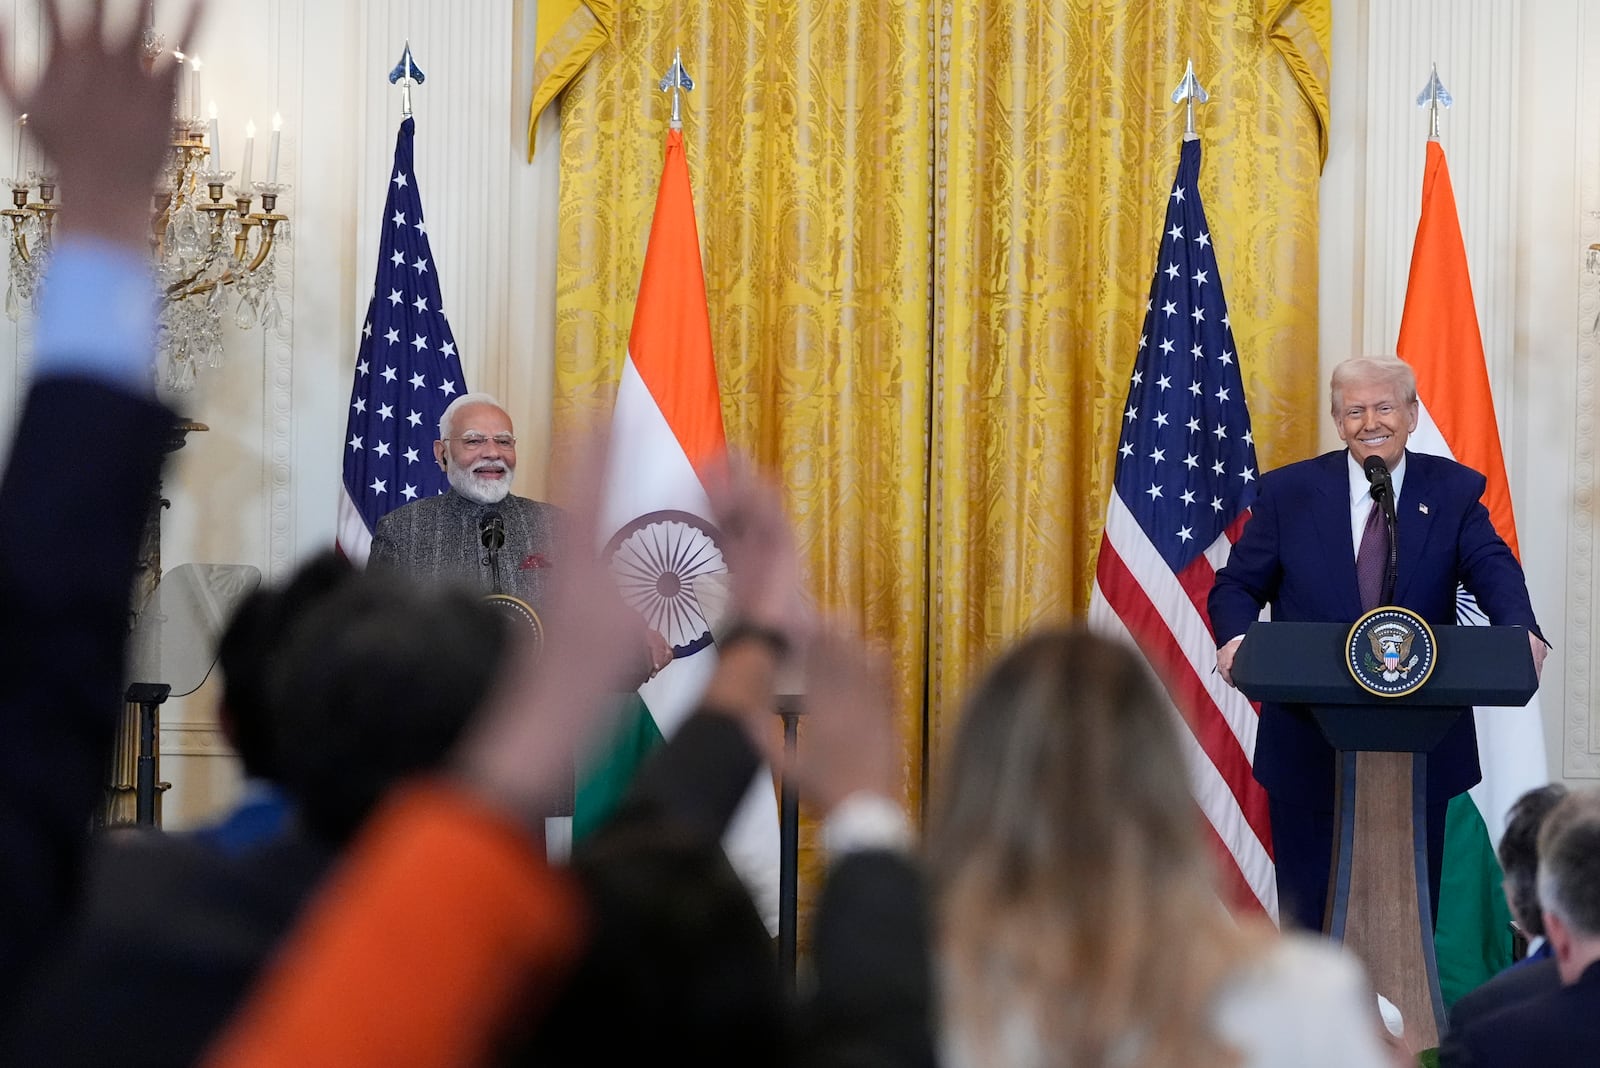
[
  {"x": 1439, "y": 337},
  {"x": 666, "y": 432}
]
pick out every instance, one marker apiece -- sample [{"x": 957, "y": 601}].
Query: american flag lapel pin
[{"x": 1422, "y": 508}]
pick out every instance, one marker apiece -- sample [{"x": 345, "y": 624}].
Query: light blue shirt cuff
[{"x": 97, "y": 315}]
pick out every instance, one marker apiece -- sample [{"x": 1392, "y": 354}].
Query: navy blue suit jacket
[
  {"x": 1554, "y": 1029},
  {"x": 69, "y": 543},
  {"x": 1524, "y": 980},
  {"x": 1296, "y": 554}
]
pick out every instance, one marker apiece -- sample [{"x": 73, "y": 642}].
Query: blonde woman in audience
[{"x": 1077, "y": 919}]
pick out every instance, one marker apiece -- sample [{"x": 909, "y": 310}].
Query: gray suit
[{"x": 437, "y": 540}]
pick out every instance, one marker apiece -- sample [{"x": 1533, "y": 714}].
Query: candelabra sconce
[
  {"x": 31, "y": 223},
  {"x": 1591, "y": 259},
  {"x": 206, "y": 240}
]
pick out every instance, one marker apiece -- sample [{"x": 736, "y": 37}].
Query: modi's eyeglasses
[{"x": 478, "y": 441}]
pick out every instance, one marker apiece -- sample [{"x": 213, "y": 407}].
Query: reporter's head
[{"x": 376, "y": 684}]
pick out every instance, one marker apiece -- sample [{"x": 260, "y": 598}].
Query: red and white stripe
[
  {"x": 1138, "y": 598},
  {"x": 351, "y": 536}
]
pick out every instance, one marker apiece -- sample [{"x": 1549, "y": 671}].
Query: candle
[
  {"x": 249, "y": 156},
  {"x": 195, "y": 96},
  {"x": 181, "y": 101},
  {"x": 19, "y": 148},
  {"x": 214, "y": 143},
  {"x": 272, "y": 153}
]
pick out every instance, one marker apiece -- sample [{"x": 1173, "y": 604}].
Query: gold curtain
[
  {"x": 928, "y": 233},
  {"x": 808, "y": 142},
  {"x": 1059, "y": 150}
]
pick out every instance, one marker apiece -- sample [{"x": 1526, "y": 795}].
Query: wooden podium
[{"x": 1378, "y": 892}]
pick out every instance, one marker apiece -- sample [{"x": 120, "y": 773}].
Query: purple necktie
[{"x": 1372, "y": 560}]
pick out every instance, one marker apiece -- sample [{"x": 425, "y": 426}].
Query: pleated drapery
[{"x": 928, "y": 234}]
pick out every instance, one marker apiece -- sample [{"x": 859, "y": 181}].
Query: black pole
[
  {"x": 492, "y": 535},
  {"x": 149, "y": 697},
  {"x": 788, "y": 846}
]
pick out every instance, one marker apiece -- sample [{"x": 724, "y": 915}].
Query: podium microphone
[
  {"x": 1383, "y": 494},
  {"x": 1378, "y": 474},
  {"x": 492, "y": 531},
  {"x": 492, "y": 535}
]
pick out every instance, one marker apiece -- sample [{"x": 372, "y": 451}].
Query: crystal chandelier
[{"x": 210, "y": 249}]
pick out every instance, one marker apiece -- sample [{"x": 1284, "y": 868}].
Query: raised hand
[
  {"x": 759, "y": 546},
  {"x": 103, "y": 116},
  {"x": 850, "y": 745},
  {"x": 551, "y": 705}
]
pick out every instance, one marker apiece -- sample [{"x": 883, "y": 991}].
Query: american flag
[
  {"x": 1185, "y": 479},
  {"x": 407, "y": 370}
]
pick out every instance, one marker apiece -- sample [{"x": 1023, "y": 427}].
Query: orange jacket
[{"x": 442, "y": 922}]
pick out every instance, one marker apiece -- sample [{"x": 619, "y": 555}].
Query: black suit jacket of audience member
[
  {"x": 871, "y": 997},
  {"x": 1545, "y": 1031},
  {"x": 77, "y": 490},
  {"x": 171, "y": 937},
  {"x": 659, "y": 884},
  {"x": 1519, "y": 983},
  {"x": 867, "y": 1000}
]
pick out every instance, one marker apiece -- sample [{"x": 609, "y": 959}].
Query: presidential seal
[
  {"x": 1390, "y": 651},
  {"x": 520, "y": 612}
]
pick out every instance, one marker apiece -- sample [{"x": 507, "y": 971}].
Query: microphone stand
[
  {"x": 1392, "y": 524},
  {"x": 492, "y": 535},
  {"x": 1383, "y": 491}
]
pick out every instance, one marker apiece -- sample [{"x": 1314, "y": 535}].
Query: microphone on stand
[
  {"x": 1383, "y": 494},
  {"x": 492, "y": 531},
  {"x": 492, "y": 536},
  {"x": 1378, "y": 474}
]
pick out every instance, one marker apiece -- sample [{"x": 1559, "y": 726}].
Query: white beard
[{"x": 475, "y": 487}]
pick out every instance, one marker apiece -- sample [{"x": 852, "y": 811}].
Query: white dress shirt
[{"x": 1361, "y": 502}]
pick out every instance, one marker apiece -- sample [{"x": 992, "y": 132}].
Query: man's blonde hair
[{"x": 1371, "y": 371}]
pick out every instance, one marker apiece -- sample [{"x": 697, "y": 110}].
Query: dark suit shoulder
[
  {"x": 426, "y": 511},
  {"x": 410, "y": 515},
  {"x": 1559, "y": 1027},
  {"x": 1316, "y": 473},
  {"x": 169, "y": 938},
  {"x": 529, "y": 506},
  {"x": 1447, "y": 474},
  {"x": 872, "y": 997},
  {"x": 1509, "y": 987}
]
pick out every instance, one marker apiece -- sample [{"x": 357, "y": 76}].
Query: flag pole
[
  {"x": 1434, "y": 96},
  {"x": 407, "y": 368},
  {"x": 1189, "y": 92},
  {"x": 1184, "y": 481},
  {"x": 677, "y": 81}
]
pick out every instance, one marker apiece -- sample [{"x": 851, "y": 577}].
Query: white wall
[
  {"x": 1526, "y": 170},
  {"x": 260, "y": 487}
]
